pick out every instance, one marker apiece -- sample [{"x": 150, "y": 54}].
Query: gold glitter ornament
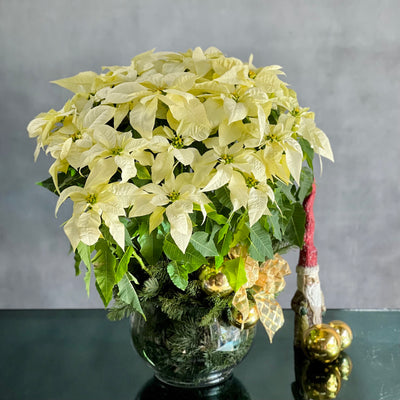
[
  {"x": 344, "y": 331},
  {"x": 251, "y": 320},
  {"x": 345, "y": 365},
  {"x": 321, "y": 343},
  {"x": 215, "y": 283},
  {"x": 321, "y": 382}
]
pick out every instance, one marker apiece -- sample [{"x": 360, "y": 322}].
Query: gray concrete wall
[{"x": 342, "y": 57}]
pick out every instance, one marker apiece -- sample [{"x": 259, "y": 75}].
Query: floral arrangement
[{"x": 187, "y": 173}]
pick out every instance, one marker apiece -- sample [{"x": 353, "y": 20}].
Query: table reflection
[
  {"x": 231, "y": 389},
  {"x": 317, "y": 381}
]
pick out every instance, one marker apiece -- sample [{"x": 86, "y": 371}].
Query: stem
[{"x": 140, "y": 261}]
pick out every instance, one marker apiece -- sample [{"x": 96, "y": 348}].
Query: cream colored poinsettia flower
[
  {"x": 279, "y": 140},
  {"x": 169, "y": 146},
  {"x": 253, "y": 195},
  {"x": 229, "y": 160},
  {"x": 175, "y": 197},
  {"x": 97, "y": 201},
  {"x": 146, "y": 93},
  {"x": 44, "y": 124},
  {"x": 317, "y": 138},
  {"x": 121, "y": 148}
]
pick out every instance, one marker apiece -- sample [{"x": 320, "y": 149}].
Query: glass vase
[{"x": 186, "y": 354}]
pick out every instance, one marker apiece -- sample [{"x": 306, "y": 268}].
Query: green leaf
[
  {"x": 84, "y": 252},
  {"x": 286, "y": 190},
  {"x": 122, "y": 266},
  {"x": 295, "y": 228},
  {"x": 142, "y": 172},
  {"x": 203, "y": 244},
  {"x": 178, "y": 274},
  {"x": 87, "y": 279},
  {"x": 260, "y": 243},
  {"x": 131, "y": 224},
  {"x": 235, "y": 272},
  {"x": 308, "y": 151},
  {"x": 226, "y": 243},
  {"x": 306, "y": 181},
  {"x": 191, "y": 258},
  {"x": 274, "y": 222},
  {"x": 127, "y": 294},
  {"x": 218, "y": 261},
  {"x": 273, "y": 117},
  {"x": 151, "y": 245},
  {"x": 222, "y": 232},
  {"x": 241, "y": 232},
  {"x": 223, "y": 196},
  {"x": 65, "y": 180},
  {"x": 78, "y": 260},
  {"x": 104, "y": 270}
]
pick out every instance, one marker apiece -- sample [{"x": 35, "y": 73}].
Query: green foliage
[
  {"x": 127, "y": 294},
  {"x": 308, "y": 151},
  {"x": 191, "y": 258},
  {"x": 203, "y": 244},
  {"x": 104, "y": 269},
  {"x": 260, "y": 243},
  {"x": 295, "y": 227},
  {"x": 178, "y": 274},
  {"x": 120, "y": 310},
  {"x": 306, "y": 181},
  {"x": 150, "y": 289},
  {"x": 84, "y": 252},
  {"x": 70, "y": 178},
  {"x": 235, "y": 272},
  {"x": 151, "y": 244},
  {"x": 122, "y": 266},
  {"x": 273, "y": 220}
]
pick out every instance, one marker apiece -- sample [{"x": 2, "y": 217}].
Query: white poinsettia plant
[{"x": 177, "y": 159}]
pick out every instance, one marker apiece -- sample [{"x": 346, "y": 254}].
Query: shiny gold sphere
[
  {"x": 321, "y": 343},
  {"x": 344, "y": 331},
  {"x": 321, "y": 382},
  {"x": 251, "y": 320},
  {"x": 215, "y": 283},
  {"x": 345, "y": 365}
]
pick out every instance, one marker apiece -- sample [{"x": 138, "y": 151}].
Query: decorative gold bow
[{"x": 265, "y": 281}]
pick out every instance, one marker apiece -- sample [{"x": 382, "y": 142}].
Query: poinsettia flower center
[
  {"x": 251, "y": 182},
  {"x": 177, "y": 142},
  {"x": 227, "y": 158},
  {"x": 91, "y": 198},
  {"x": 173, "y": 196}
]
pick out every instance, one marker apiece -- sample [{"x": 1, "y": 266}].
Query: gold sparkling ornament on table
[
  {"x": 321, "y": 343},
  {"x": 344, "y": 331}
]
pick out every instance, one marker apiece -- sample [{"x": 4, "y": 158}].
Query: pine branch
[{"x": 120, "y": 310}]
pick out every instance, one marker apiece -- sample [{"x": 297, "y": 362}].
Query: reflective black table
[{"x": 79, "y": 354}]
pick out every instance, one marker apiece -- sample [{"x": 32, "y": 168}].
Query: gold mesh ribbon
[
  {"x": 266, "y": 281},
  {"x": 240, "y": 300},
  {"x": 270, "y": 282}
]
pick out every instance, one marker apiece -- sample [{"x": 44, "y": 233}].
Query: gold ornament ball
[
  {"x": 251, "y": 320},
  {"x": 344, "y": 331},
  {"x": 215, "y": 283},
  {"x": 321, "y": 382},
  {"x": 345, "y": 365},
  {"x": 321, "y": 343}
]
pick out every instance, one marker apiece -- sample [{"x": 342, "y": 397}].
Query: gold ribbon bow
[{"x": 265, "y": 281}]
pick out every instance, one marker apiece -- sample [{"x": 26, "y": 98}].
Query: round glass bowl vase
[{"x": 184, "y": 353}]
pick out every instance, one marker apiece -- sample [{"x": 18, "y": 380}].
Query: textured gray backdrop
[{"x": 342, "y": 57}]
